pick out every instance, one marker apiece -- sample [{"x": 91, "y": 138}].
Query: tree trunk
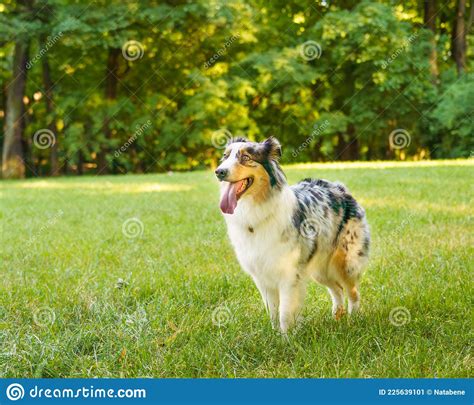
[
  {"x": 348, "y": 150},
  {"x": 111, "y": 85},
  {"x": 80, "y": 163},
  {"x": 459, "y": 38},
  {"x": 343, "y": 149},
  {"x": 353, "y": 146},
  {"x": 430, "y": 23},
  {"x": 13, "y": 164},
  {"x": 48, "y": 99}
]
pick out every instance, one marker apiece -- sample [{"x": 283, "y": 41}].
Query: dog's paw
[{"x": 338, "y": 313}]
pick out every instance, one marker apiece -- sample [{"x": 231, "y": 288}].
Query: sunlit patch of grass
[
  {"x": 377, "y": 165},
  {"x": 104, "y": 187},
  {"x": 146, "y": 305}
]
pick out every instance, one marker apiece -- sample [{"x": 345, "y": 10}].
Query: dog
[{"x": 284, "y": 235}]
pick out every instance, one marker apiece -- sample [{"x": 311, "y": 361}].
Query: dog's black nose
[{"x": 221, "y": 173}]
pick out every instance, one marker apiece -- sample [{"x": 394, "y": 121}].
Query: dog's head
[{"x": 249, "y": 170}]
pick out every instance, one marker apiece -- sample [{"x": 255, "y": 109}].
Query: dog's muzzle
[{"x": 221, "y": 174}]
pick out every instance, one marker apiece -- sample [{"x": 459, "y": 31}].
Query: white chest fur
[{"x": 259, "y": 236}]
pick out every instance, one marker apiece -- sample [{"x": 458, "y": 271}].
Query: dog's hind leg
[
  {"x": 327, "y": 276},
  {"x": 337, "y": 296},
  {"x": 349, "y": 259},
  {"x": 346, "y": 271},
  {"x": 353, "y": 297}
]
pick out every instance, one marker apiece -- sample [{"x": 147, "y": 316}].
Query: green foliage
[
  {"x": 451, "y": 121},
  {"x": 236, "y": 66}
]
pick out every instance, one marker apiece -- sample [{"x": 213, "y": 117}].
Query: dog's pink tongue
[{"x": 229, "y": 197}]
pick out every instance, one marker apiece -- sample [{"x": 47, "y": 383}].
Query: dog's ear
[{"x": 272, "y": 148}]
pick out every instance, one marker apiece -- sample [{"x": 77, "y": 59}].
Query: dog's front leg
[
  {"x": 292, "y": 293},
  {"x": 270, "y": 299}
]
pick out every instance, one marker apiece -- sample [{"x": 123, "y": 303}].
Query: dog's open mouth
[{"x": 232, "y": 192}]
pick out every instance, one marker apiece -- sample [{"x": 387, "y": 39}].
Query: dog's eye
[
  {"x": 245, "y": 158},
  {"x": 226, "y": 155}
]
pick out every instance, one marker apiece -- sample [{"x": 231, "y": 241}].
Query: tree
[
  {"x": 430, "y": 13},
  {"x": 459, "y": 37},
  {"x": 17, "y": 29},
  {"x": 13, "y": 165},
  {"x": 48, "y": 99},
  {"x": 336, "y": 77}
]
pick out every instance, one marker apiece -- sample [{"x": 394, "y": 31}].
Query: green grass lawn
[{"x": 80, "y": 298}]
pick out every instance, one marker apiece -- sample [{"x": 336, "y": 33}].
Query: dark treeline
[{"x": 143, "y": 86}]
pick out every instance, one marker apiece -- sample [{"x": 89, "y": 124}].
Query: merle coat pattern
[{"x": 284, "y": 236}]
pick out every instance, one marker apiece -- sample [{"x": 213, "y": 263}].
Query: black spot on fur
[
  {"x": 253, "y": 151},
  {"x": 299, "y": 214},
  {"x": 322, "y": 183},
  {"x": 350, "y": 209},
  {"x": 268, "y": 167},
  {"x": 316, "y": 194},
  {"x": 366, "y": 244},
  {"x": 313, "y": 251},
  {"x": 250, "y": 229},
  {"x": 341, "y": 188},
  {"x": 235, "y": 140}
]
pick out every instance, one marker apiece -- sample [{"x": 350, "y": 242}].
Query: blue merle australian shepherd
[{"x": 284, "y": 235}]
